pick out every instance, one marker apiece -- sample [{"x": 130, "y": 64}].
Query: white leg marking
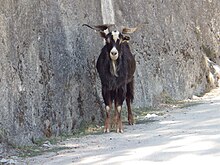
[
  {"x": 107, "y": 108},
  {"x": 119, "y": 109}
]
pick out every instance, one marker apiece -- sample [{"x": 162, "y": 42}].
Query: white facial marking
[
  {"x": 114, "y": 67},
  {"x": 114, "y": 54},
  {"x": 115, "y": 35}
]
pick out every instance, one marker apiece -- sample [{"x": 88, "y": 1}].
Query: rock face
[
  {"x": 48, "y": 80},
  {"x": 47, "y": 68},
  {"x": 171, "y": 48}
]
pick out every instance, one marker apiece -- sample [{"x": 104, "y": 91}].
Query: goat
[{"x": 116, "y": 66}]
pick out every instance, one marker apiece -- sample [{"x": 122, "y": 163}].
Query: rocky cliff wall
[
  {"x": 47, "y": 68},
  {"x": 48, "y": 81},
  {"x": 171, "y": 49}
]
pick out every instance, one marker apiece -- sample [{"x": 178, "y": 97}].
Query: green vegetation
[
  {"x": 166, "y": 98},
  {"x": 31, "y": 151},
  {"x": 186, "y": 104},
  {"x": 88, "y": 129},
  {"x": 141, "y": 113},
  {"x": 39, "y": 147}
]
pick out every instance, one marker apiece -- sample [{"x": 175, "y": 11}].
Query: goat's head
[
  {"x": 113, "y": 39},
  {"x": 113, "y": 42}
]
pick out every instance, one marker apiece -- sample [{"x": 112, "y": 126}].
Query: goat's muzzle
[{"x": 114, "y": 54}]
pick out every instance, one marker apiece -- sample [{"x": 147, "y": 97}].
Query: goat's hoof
[
  {"x": 106, "y": 130},
  {"x": 119, "y": 130},
  {"x": 130, "y": 122}
]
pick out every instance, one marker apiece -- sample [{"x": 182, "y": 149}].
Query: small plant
[
  {"x": 198, "y": 32},
  {"x": 31, "y": 151},
  {"x": 210, "y": 53},
  {"x": 166, "y": 98}
]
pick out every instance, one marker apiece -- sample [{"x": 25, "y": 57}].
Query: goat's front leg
[
  {"x": 107, "y": 119},
  {"x": 119, "y": 99},
  {"x": 119, "y": 128},
  {"x": 108, "y": 105}
]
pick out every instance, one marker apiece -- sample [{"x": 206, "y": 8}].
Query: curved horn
[
  {"x": 104, "y": 27},
  {"x": 89, "y": 26},
  {"x": 99, "y": 28},
  {"x": 127, "y": 30}
]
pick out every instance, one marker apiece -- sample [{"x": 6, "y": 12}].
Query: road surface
[{"x": 186, "y": 135}]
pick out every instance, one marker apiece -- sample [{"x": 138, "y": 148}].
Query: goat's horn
[
  {"x": 89, "y": 26},
  {"x": 99, "y": 28},
  {"x": 104, "y": 27},
  {"x": 127, "y": 30}
]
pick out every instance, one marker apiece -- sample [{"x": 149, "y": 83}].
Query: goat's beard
[{"x": 113, "y": 68}]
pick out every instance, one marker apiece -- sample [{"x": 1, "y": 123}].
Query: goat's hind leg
[
  {"x": 130, "y": 115},
  {"x": 129, "y": 100}
]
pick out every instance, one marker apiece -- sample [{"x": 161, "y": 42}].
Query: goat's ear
[
  {"x": 126, "y": 38},
  {"x": 102, "y": 34},
  {"x": 102, "y": 28}
]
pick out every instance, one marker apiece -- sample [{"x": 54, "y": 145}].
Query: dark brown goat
[{"x": 116, "y": 66}]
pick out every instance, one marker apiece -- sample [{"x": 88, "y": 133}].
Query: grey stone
[
  {"x": 8, "y": 161},
  {"x": 171, "y": 48}
]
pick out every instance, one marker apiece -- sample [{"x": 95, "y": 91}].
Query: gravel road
[{"x": 186, "y": 135}]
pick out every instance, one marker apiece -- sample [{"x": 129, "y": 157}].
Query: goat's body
[
  {"x": 125, "y": 68},
  {"x": 117, "y": 88},
  {"x": 116, "y": 66}
]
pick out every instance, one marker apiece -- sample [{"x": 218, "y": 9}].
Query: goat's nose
[{"x": 114, "y": 53}]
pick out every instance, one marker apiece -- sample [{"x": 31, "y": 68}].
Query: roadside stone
[
  {"x": 8, "y": 161},
  {"x": 47, "y": 144}
]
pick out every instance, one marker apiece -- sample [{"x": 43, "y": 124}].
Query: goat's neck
[{"x": 113, "y": 68}]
